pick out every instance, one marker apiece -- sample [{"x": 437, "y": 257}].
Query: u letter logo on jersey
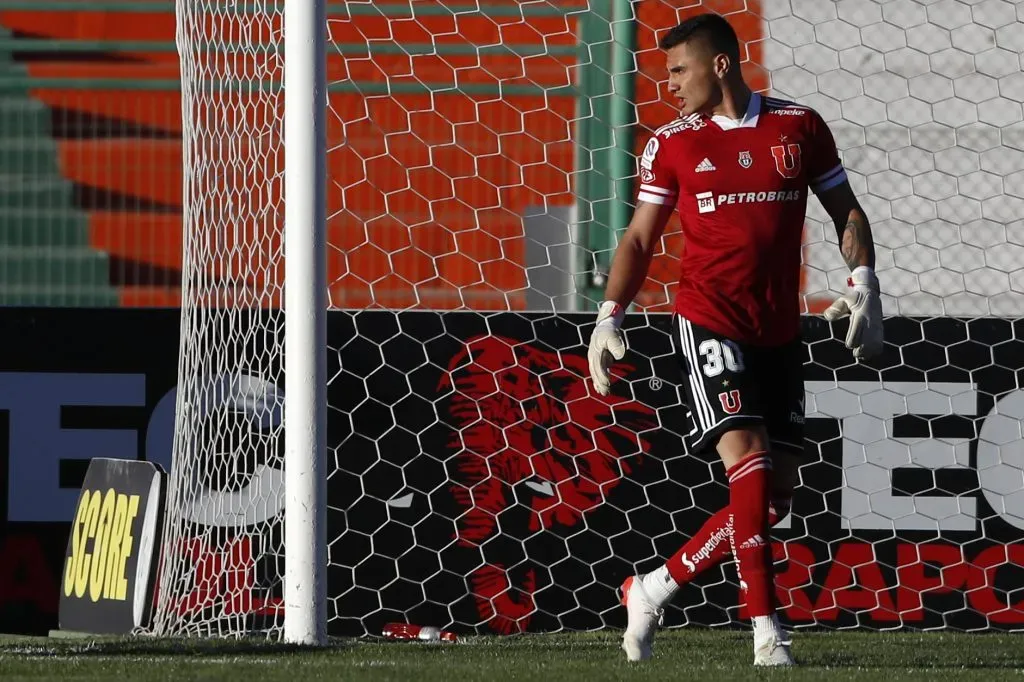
[
  {"x": 730, "y": 401},
  {"x": 787, "y": 160}
]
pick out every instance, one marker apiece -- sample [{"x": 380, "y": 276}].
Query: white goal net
[{"x": 481, "y": 158}]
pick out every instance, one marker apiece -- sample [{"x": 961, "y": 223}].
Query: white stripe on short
[{"x": 703, "y": 406}]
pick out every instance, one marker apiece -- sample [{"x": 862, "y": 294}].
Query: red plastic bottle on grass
[{"x": 423, "y": 633}]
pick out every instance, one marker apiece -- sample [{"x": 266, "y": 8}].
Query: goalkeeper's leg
[
  {"x": 761, "y": 394},
  {"x": 744, "y": 452},
  {"x": 741, "y": 529},
  {"x": 710, "y": 545}
]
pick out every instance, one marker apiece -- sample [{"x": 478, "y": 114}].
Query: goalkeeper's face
[{"x": 692, "y": 78}]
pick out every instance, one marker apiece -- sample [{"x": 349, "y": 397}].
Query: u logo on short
[{"x": 730, "y": 401}]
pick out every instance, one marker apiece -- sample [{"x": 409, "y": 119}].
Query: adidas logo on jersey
[{"x": 704, "y": 166}]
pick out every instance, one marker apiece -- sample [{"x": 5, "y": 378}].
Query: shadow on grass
[
  {"x": 856, "y": 661},
  {"x": 152, "y": 647}
]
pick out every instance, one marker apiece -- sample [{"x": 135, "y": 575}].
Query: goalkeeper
[{"x": 738, "y": 167}]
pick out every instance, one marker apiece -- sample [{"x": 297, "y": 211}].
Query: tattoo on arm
[{"x": 856, "y": 244}]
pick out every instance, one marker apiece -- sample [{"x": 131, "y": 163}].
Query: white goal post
[
  {"x": 305, "y": 329},
  {"x": 398, "y": 220}
]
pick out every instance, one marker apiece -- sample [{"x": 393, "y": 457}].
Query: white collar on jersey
[{"x": 749, "y": 119}]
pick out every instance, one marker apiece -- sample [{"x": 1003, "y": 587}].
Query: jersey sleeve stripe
[
  {"x": 656, "y": 198},
  {"x": 657, "y": 190},
  {"x": 830, "y": 181},
  {"x": 826, "y": 176}
]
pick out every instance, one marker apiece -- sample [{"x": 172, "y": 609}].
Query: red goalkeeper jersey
[{"x": 741, "y": 190}]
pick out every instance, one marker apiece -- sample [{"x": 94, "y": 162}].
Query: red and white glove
[
  {"x": 864, "y": 306},
  {"x": 606, "y": 345}
]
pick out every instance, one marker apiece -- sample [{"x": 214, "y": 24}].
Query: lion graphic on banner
[{"x": 535, "y": 452}]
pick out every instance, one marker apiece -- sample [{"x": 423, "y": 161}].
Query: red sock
[
  {"x": 713, "y": 543},
  {"x": 749, "y": 492},
  {"x": 705, "y": 549}
]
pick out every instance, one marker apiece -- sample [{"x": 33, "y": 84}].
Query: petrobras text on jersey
[
  {"x": 758, "y": 197},
  {"x": 707, "y": 202}
]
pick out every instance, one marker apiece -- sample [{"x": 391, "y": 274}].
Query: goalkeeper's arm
[
  {"x": 629, "y": 270},
  {"x": 633, "y": 255},
  {"x": 862, "y": 303}
]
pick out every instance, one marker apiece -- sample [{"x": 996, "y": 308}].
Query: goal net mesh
[{"x": 480, "y": 155}]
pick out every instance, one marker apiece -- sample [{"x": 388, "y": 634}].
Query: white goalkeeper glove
[
  {"x": 864, "y": 307},
  {"x": 606, "y": 345}
]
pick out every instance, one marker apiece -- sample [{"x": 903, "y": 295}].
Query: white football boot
[
  {"x": 773, "y": 652},
  {"x": 643, "y": 619}
]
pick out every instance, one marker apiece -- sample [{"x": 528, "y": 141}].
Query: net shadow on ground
[{"x": 171, "y": 648}]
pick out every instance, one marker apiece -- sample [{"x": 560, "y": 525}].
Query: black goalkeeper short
[{"x": 730, "y": 384}]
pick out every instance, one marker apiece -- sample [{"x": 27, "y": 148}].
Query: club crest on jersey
[
  {"x": 730, "y": 401},
  {"x": 787, "y": 160},
  {"x": 745, "y": 159}
]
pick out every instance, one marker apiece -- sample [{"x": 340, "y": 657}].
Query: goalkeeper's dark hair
[{"x": 713, "y": 29}]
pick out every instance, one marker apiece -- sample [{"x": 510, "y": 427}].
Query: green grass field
[{"x": 692, "y": 655}]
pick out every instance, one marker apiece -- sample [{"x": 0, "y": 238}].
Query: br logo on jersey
[
  {"x": 646, "y": 175},
  {"x": 787, "y": 160},
  {"x": 705, "y": 202},
  {"x": 746, "y": 160},
  {"x": 730, "y": 401}
]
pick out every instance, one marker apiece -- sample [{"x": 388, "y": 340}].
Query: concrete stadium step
[
  {"x": 158, "y": 109},
  {"x": 478, "y": 43},
  {"x": 44, "y": 227},
  {"x": 461, "y": 247},
  {"x": 149, "y": 297},
  {"x": 145, "y": 238},
  {"x": 29, "y": 156},
  {"x": 545, "y": 76},
  {"x": 525, "y": 168},
  {"x": 495, "y": 22},
  {"x": 436, "y": 119},
  {"x": 54, "y": 266},
  {"x": 148, "y": 169},
  {"x": 458, "y": 244},
  {"x": 12, "y": 79},
  {"x": 432, "y": 61},
  {"x": 437, "y": 294},
  {"x": 58, "y": 296},
  {"x": 19, "y": 191},
  {"x": 22, "y": 117}
]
